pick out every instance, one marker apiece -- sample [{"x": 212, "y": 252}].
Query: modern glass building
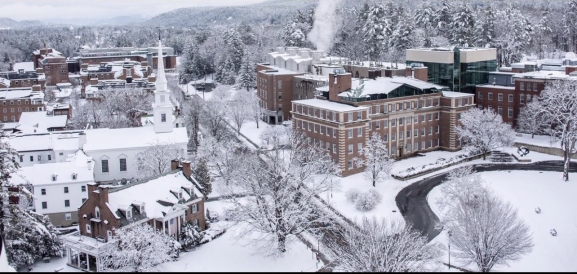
[{"x": 461, "y": 69}]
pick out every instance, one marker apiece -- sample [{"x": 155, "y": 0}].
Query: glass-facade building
[{"x": 459, "y": 69}]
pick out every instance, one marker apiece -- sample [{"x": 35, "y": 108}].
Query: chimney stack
[
  {"x": 81, "y": 140},
  {"x": 186, "y": 169},
  {"x": 174, "y": 164}
]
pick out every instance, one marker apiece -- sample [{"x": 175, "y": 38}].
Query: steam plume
[{"x": 324, "y": 26}]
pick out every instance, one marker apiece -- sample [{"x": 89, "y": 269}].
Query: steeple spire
[{"x": 161, "y": 83}]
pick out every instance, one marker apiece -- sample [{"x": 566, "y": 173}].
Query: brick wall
[{"x": 96, "y": 199}]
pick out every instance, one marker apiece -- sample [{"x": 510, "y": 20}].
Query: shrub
[
  {"x": 352, "y": 195},
  {"x": 375, "y": 195},
  {"x": 365, "y": 202}
]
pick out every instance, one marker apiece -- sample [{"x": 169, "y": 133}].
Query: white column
[
  {"x": 87, "y": 262},
  {"x": 163, "y": 227},
  {"x": 97, "y": 264},
  {"x": 68, "y": 255},
  {"x": 154, "y": 221},
  {"x": 178, "y": 224},
  {"x": 78, "y": 258}
]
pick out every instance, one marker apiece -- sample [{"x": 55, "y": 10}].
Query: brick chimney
[
  {"x": 174, "y": 164},
  {"x": 103, "y": 195},
  {"x": 569, "y": 69},
  {"x": 186, "y": 168},
  {"x": 339, "y": 83}
]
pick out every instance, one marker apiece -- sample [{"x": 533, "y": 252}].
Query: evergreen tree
[
  {"x": 401, "y": 39},
  {"x": 443, "y": 17},
  {"x": 190, "y": 235},
  {"x": 373, "y": 31},
  {"x": 247, "y": 75},
  {"x": 543, "y": 32},
  {"x": 462, "y": 26},
  {"x": 486, "y": 28},
  {"x": 225, "y": 73},
  {"x": 202, "y": 176},
  {"x": 570, "y": 25},
  {"x": 235, "y": 48},
  {"x": 295, "y": 32}
]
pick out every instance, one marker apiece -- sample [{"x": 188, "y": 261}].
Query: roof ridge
[{"x": 142, "y": 181}]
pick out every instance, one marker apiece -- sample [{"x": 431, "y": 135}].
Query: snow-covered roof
[
  {"x": 328, "y": 105},
  {"x": 5, "y": 82},
  {"x": 18, "y": 93},
  {"x": 150, "y": 192},
  {"x": 384, "y": 85},
  {"x": 453, "y": 94},
  {"x": 42, "y": 174},
  {"x": 26, "y": 66},
  {"x": 39, "y": 122},
  {"x": 544, "y": 75},
  {"x": 314, "y": 77},
  {"x": 136, "y": 137},
  {"x": 35, "y": 142},
  {"x": 279, "y": 71}
]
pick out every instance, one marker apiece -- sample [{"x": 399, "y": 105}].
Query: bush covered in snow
[
  {"x": 364, "y": 201},
  {"x": 352, "y": 195}
]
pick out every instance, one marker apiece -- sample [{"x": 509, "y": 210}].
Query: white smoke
[{"x": 325, "y": 25}]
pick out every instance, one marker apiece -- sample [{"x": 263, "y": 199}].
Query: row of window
[
  {"x": 509, "y": 97},
  {"x": 82, "y": 188},
  {"x": 48, "y": 157},
  {"x": 5, "y": 110},
  {"x": 500, "y": 111},
  {"x": 18, "y": 102},
  {"x": 392, "y": 107},
  {"x": 408, "y": 148},
  {"x": 66, "y": 204},
  {"x": 522, "y": 86}
]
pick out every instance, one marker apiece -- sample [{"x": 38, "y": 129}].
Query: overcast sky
[{"x": 88, "y": 9}]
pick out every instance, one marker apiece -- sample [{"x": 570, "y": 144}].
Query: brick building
[
  {"x": 410, "y": 115},
  {"x": 15, "y": 101},
  {"x": 21, "y": 79},
  {"x": 371, "y": 70},
  {"x": 53, "y": 64},
  {"x": 164, "y": 202},
  {"x": 115, "y": 74},
  {"x": 510, "y": 96},
  {"x": 148, "y": 55}
]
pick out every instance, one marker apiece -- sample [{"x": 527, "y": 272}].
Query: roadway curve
[{"x": 412, "y": 200}]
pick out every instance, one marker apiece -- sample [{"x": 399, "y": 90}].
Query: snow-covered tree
[
  {"x": 225, "y": 72},
  {"x": 485, "y": 28},
  {"x": 373, "y": 31},
  {"x": 255, "y": 111},
  {"x": 515, "y": 33},
  {"x": 191, "y": 111},
  {"x": 237, "y": 109},
  {"x": 224, "y": 158},
  {"x": 376, "y": 160},
  {"x": 462, "y": 26},
  {"x": 483, "y": 130},
  {"x": 570, "y": 25},
  {"x": 529, "y": 120},
  {"x": 557, "y": 107},
  {"x": 488, "y": 232},
  {"x": 401, "y": 39},
  {"x": 137, "y": 249},
  {"x": 202, "y": 175},
  {"x": 212, "y": 118},
  {"x": 155, "y": 160},
  {"x": 247, "y": 75},
  {"x": 190, "y": 235},
  {"x": 295, "y": 32},
  {"x": 281, "y": 194},
  {"x": 384, "y": 246},
  {"x": 235, "y": 48}
]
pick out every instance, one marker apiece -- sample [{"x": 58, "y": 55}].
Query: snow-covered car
[{"x": 287, "y": 123}]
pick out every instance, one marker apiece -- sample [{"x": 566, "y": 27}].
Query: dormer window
[
  {"x": 54, "y": 177},
  {"x": 74, "y": 176},
  {"x": 141, "y": 209},
  {"x": 128, "y": 213},
  {"x": 180, "y": 195}
]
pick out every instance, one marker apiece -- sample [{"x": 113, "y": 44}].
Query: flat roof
[{"x": 328, "y": 105}]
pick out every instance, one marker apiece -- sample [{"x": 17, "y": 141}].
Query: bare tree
[
  {"x": 222, "y": 92},
  {"x": 375, "y": 158},
  {"x": 191, "y": 112},
  {"x": 225, "y": 158},
  {"x": 281, "y": 201},
  {"x": 557, "y": 107},
  {"x": 530, "y": 120},
  {"x": 489, "y": 232},
  {"x": 483, "y": 130},
  {"x": 237, "y": 109},
  {"x": 254, "y": 109},
  {"x": 384, "y": 246},
  {"x": 156, "y": 159},
  {"x": 213, "y": 114}
]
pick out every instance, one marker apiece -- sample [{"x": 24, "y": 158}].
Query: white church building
[{"x": 115, "y": 150}]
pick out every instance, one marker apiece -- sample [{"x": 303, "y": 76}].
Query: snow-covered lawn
[
  {"x": 228, "y": 254},
  {"x": 527, "y": 190},
  {"x": 55, "y": 263},
  {"x": 538, "y": 140},
  {"x": 384, "y": 209}
]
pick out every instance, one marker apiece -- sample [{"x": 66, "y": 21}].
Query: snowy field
[
  {"x": 527, "y": 190},
  {"x": 419, "y": 161},
  {"x": 538, "y": 140},
  {"x": 228, "y": 254}
]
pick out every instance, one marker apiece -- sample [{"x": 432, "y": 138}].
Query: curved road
[{"x": 412, "y": 200}]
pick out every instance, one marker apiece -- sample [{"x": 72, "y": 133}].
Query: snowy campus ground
[
  {"x": 527, "y": 190},
  {"x": 538, "y": 140},
  {"x": 228, "y": 254}
]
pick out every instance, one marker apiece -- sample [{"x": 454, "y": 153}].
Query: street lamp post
[{"x": 450, "y": 234}]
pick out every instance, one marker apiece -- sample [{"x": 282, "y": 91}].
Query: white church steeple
[{"x": 162, "y": 106}]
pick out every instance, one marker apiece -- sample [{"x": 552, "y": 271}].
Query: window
[
  {"x": 377, "y": 109},
  {"x": 162, "y": 117},
  {"x": 408, "y": 147},
  {"x": 109, "y": 234},
  {"x": 194, "y": 208},
  {"x": 416, "y": 146},
  {"x": 21, "y": 158},
  {"x": 490, "y": 96},
  {"x": 334, "y": 133},
  {"x": 534, "y": 86},
  {"x": 43, "y": 191},
  {"x": 510, "y": 112},
  {"x": 322, "y": 130},
  {"x": 65, "y": 189},
  {"x": 500, "y": 97},
  {"x": 328, "y": 146},
  {"x": 39, "y": 158},
  {"x": 350, "y": 114},
  {"x": 416, "y": 119},
  {"x": 350, "y": 148},
  {"x": 359, "y": 147},
  {"x": 280, "y": 95},
  {"x": 279, "y": 83},
  {"x": 500, "y": 110},
  {"x": 128, "y": 213},
  {"x": 68, "y": 216},
  {"x": 88, "y": 228},
  {"x": 430, "y": 117},
  {"x": 350, "y": 164},
  {"x": 510, "y": 97},
  {"x": 394, "y": 150},
  {"x": 437, "y": 142},
  {"x": 350, "y": 133},
  {"x": 334, "y": 148},
  {"x": 385, "y": 123},
  {"x": 74, "y": 176},
  {"x": 522, "y": 85},
  {"x": 430, "y": 131},
  {"x": 83, "y": 188},
  {"x": 44, "y": 205},
  {"x": 522, "y": 98},
  {"x": 393, "y": 122},
  {"x": 401, "y": 121},
  {"x": 416, "y": 132},
  {"x": 122, "y": 164},
  {"x": 360, "y": 115},
  {"x": 97, "y": 212},
  {"x": 377, "y": 124},
  {"x": 423, "y": 131},
  {"x": 360, "y": 132},
  {"x": 436, "y": 116},
  {"x": 83, "y": 200},
  {"x": 66, "y": 203},
  {"x": 437, "y": 129},
  {"x": 386, "y": 137},
  {"x": 393, "y": 136},
  {"x": 310, "y": 126},
  {"x": 104, "y": 166}
]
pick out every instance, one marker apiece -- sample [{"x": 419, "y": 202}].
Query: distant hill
[
  {"x": 116, "y": 21},
  {"x": 12, "y": 24},
  {"x": 269, "y": 12}
]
